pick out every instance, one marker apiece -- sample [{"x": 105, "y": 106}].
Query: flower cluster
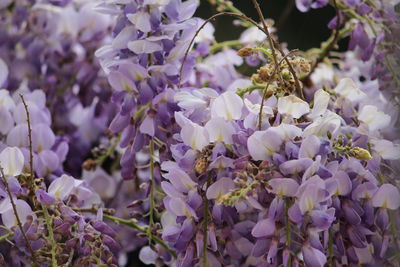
[
  {"x": 306, "y": 183},
  {"x": 49, "y": 150},
  {"x": 50, "y": 45}
]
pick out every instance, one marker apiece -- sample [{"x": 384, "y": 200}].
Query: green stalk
[
  {"x": 288, "y": 231},
  {"x": 330, "y": 248},
  {"x": 151, "y": 197},
  {"x": 6, "y": 236},
  {"x": 132, "y": 224},
  {"x": 49, "y": 223},
  {"x": 217, "y": 46},
  {"x": 205, "y": 225}
]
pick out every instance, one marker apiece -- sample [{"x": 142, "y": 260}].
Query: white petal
[
  {"x": 309, "y": 147},
  {"x": 6, "y": 100},
  {"x": 227, "y": 106},
  {"x": 147, "y": 255},
  {"x": 61, "y": 187},
  {"x": 195, "y": 136},
  {"x": 143, "y": 46},
  {"x": 3, "y": 72},
  {"x": 321, "y": 101},
  {"x": 23, "y": 210},
  {"x": 12, "y": 161},
  {"x": 374, "y": 118},
  {"x": 292, "y": 106},
  {"x": 263, "y": 144},
  {"x": 349, "y": 90},
  {"x": 220, "y": 130},
  {"x": 141, "y": 20},
  {"x": 386, "y": 149}
]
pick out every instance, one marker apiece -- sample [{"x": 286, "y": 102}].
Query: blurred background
[{"x": 298, "y": 30}]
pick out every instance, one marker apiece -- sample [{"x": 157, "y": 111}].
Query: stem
[
  {"x": 49, "y": 223},
  {"x": 14, "y": 207},
  {"x": 217, "y": 46},
  {"x": 264, "y": 51},
  {"x": 266, "y": 31},
  {"x": 229, "y": 7},
  {"x": 394, "y": 231},
  {"x": 330, "y": 248},
  {"x": 28, "y": 120},
  {"x": 151, "y": 197},
  {"x": 242, "y": 91},
  {"x": 132, "y": 224},
  {"x": 288, "y": 231},
  {"x": 4, "y": 237},
  {"x": 205, "y": 225},
  {"x": 231, "y": 14},
  {"x": 275, "y": 45}
]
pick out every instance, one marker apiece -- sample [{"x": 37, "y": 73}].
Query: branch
[
  {"x": 274, "y": 44},
  {"x": 266, "y": 31},
  {"x": 205, "y": 224},
  {"x": 231, "y": 14},
  {"x": 151, "y": 196},
  {"x": 28, "y": 120}
]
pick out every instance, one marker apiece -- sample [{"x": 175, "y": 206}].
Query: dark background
[{"x": 298, "y": 30}]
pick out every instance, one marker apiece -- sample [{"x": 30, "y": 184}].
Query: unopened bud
[{"x": 360, "y": 153}]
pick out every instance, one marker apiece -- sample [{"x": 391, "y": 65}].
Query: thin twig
[
  {"x": 266, "y": 31},
  {"x": 151, "y": 196},
  {"x": 231, "y": 14},
  {"x": 205, "y": 225},
  {"x": 275, "y": 45},
  {"x": 21, "y": 228},
  {"x": 28, "y": 120},
  {"x": 268, "y": 84}
]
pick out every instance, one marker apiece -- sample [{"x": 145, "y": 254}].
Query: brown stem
[
  {"x": 266, "y": 88},
  {"x": 231, "y": 14},
  {"x": 275, "y": 45},
  {"x": 28, "y": 244},
  {"x": 28, "y": 120},
  {"x": 266, "y": 31}
]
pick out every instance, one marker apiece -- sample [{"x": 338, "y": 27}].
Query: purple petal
[{"x": 264, "y": 228}]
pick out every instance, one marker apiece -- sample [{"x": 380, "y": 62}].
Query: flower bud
[{"x": 360, "y": 153}]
